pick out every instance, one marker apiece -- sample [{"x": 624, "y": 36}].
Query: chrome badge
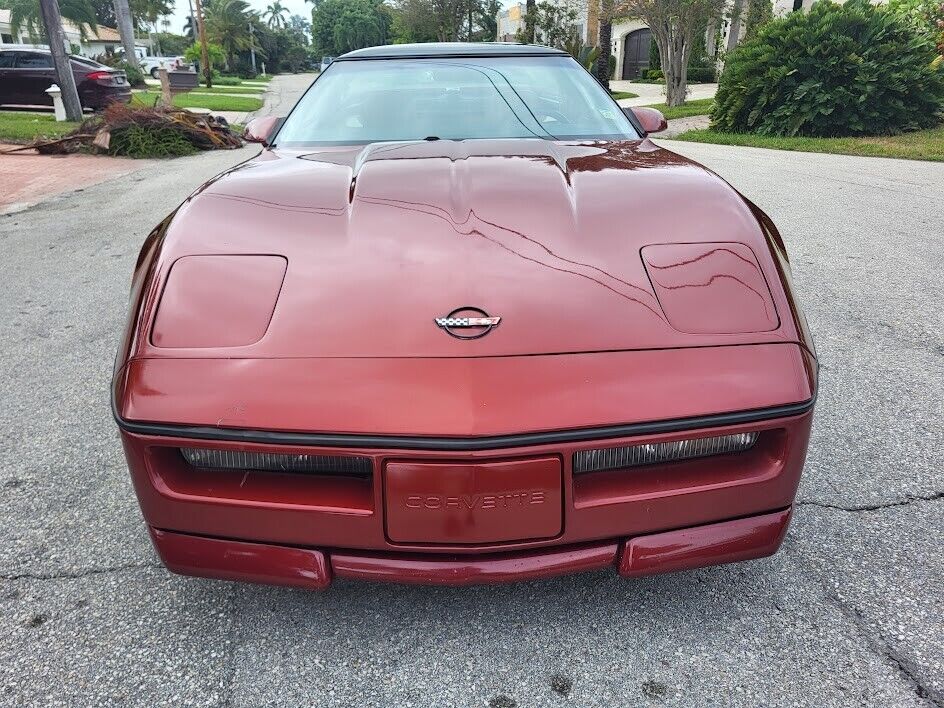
[{"x": 468, "y": 323}]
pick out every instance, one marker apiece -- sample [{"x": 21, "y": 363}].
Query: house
[
  {"x": 510, "y": 22},
  {"x": 102, "y": 40}
]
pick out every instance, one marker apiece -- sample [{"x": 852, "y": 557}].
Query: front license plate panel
[{"x": 463, "y": 503}]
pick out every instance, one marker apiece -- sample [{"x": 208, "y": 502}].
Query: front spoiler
[{"x": 681, "y": 549}]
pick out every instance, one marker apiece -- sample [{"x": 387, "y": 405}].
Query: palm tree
[
  {"x": 227, "y": 24},
  {"x": 276, "y": 14},
  {"x": 26, "y": 14}
]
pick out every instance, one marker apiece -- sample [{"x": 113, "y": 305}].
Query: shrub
[
  {"x": 851, "y": 69},
  {"x": 116, "y": 61},
  {"x": 145, "y": 141},
  {"x": 133, "y": 72}
]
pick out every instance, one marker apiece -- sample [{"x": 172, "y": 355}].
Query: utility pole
[
  {"x": 126, "y": 30},
  {"x": 52, "y": 21},
  {"x": 204, "y": 54},
  {"x": 252, "y": 46}
]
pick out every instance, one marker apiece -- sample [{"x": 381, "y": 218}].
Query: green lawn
[
  {"x": 919, "y": 145},
  {"x": 16, "y": 127},
  {"x": 618, "y": 95},
  {"x": 220, "y": 102},
  {"x": 698, "y": 107}
]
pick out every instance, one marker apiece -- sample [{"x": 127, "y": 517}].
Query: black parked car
[{"x": 25, "y": 74}]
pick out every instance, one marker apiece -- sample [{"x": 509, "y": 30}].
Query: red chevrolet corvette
[{"x": 462, "y": 322}]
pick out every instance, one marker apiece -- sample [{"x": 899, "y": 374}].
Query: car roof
[
  {"x": 451, "y": 49},
  {"x": 23, "y": 48}
]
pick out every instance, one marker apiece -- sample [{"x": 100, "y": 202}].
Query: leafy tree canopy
[
  {"x": 555, "y": 23},
  {"x": 339, "y": 26}
]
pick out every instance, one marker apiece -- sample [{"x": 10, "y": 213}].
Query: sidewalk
[{"x": 29, "y": 178}]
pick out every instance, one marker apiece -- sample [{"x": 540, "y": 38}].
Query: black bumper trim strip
[{"x": 460, "y": 444}]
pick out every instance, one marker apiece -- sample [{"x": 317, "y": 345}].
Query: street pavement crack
[
  {"x": 72, "y": 575},
  {"x": 903, "y": 666},
  {"x": 937, "y": 496}
]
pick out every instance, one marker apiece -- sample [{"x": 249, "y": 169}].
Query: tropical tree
[
  {"x": 227, "y": 24},
  {"x": 215, "y": 54},
  {"x": 297, "y": 23},
  {"x": 25, "y": 14},
  {"x": 142, "y": 11},
  {"x": 275, "y": 13}
]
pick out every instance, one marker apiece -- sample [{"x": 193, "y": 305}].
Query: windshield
[{"x": 366, "y": 101}]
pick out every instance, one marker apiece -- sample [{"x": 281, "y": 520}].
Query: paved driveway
[
  {"x": 848, "y": 614},
  {"x": 648, "y": 94}
]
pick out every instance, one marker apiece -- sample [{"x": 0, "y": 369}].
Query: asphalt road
[{"x": 848, "y": 614}]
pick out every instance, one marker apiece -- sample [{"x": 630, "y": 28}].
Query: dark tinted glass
[
  {"x": 34, "y": 61},
  {"x": 6, "y": 60},
  {"x": 459, "y": 98}
]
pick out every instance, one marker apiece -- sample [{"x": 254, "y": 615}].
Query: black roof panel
[{"x": 451, "y": 49}]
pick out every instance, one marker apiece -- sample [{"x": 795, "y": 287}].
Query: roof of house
[
  {"x": 102, "y": 34},
  {"x": 450, "y": 49}
]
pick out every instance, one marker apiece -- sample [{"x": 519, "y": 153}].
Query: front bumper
[
  {"x": 682, "y": 549},
  {"x": 302, "y": 530}
]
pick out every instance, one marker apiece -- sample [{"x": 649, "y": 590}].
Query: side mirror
[
  {"x": 258, "y": 130},
  {"x": 651, "y": 120}
]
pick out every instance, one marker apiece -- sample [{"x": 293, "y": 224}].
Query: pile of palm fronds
[{"x": 144, "y": 132}]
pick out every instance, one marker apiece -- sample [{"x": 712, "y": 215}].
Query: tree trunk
[
  {"x": 676, "y": 69},
  {"x": 204, "y": 53},
  {"x": 606, "y": 48},
  {"x": 529, "y": 18},
  {"x": 734, "y": 34},
  {"x": 711, "y": 42},
  {"x": 52, "y": 21},
  {"x": 126, "y": 30},
  {"x": 593, "y": 22}
]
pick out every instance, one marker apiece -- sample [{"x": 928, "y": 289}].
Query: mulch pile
[{"x": 204, "y": 132}]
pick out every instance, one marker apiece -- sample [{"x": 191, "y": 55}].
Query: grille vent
[
  {"x": 638, "y": 455},
  {"x": 277, "y": 462}
]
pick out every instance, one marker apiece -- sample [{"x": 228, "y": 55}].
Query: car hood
[{"x": 381, "y": 240}]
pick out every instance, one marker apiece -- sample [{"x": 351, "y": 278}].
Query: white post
[{"x": 55, "y": 93}]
